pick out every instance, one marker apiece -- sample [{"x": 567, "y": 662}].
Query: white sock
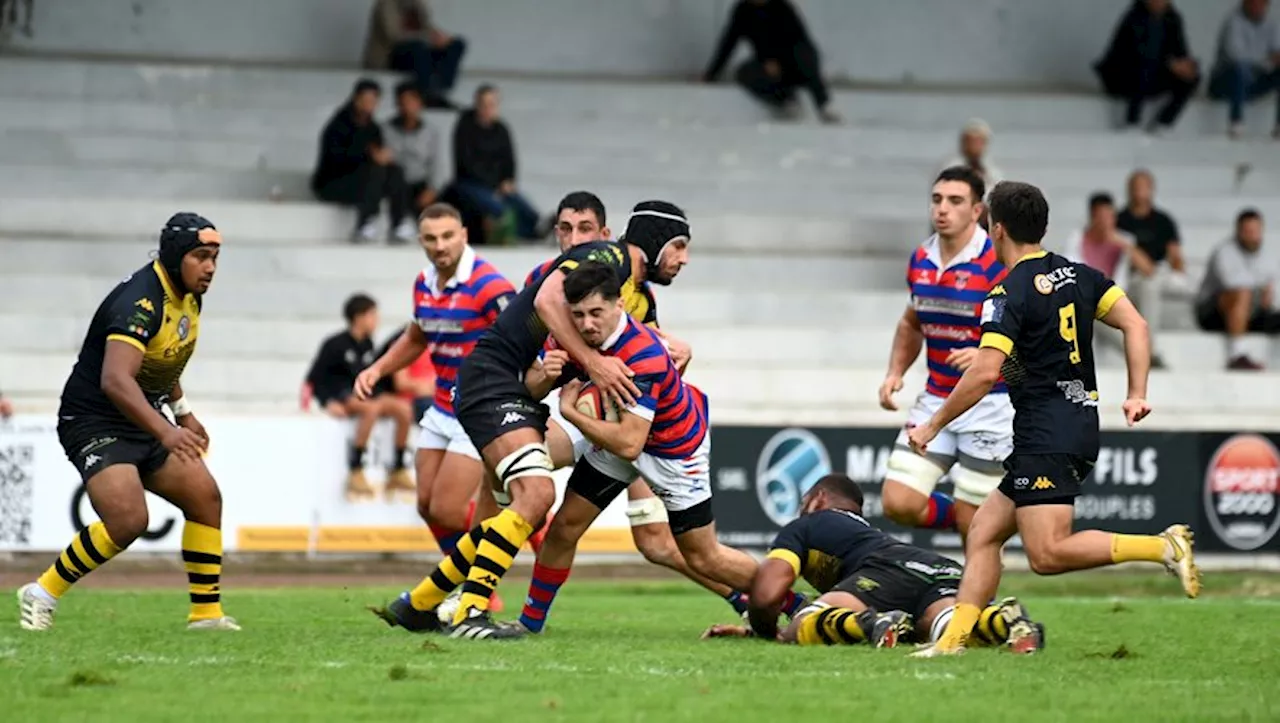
[
  {"x": 1235, "y": 347},
  {"x": 940, "y": 624},
  {"x": 45, "y": 594}
]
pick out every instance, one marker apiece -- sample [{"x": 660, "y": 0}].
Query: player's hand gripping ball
[{"x": 593, "y": 403}]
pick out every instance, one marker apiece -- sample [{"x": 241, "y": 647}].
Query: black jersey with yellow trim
[
  {"x": 1042, "y": 318},
  {"x": 826, "y": 547},
  {"x": 146, "y": 312},
  {"x": 514, "y": 341},
  {"x": 641, "y": 303}
]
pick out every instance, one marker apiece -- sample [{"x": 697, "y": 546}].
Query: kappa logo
[
  {"x": 91, "y": 460},
  {"x": 489, "y": 580},
  {"x": 146, "y": 305},
  {"x": 1042, "y": 483},
  {"x": 867, "y": 584},
  {"x": 512, "y": 418}
]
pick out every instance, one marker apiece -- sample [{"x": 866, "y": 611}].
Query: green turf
[{"x": 629, "y": 651}]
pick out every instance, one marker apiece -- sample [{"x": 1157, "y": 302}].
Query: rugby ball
[{"x": 593, "y": 403}]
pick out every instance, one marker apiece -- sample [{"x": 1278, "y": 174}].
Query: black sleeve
[
  {"x": 338, "y": 142},
  {"x": 135, "y": 315},
  {"x": 464, "y": 160},
  {"x": 792, "y": 26},
  {"x": 322, "y": 366},
  {"x": 1170, "y": 229},
  {"x": 792, "y": 543},
  {"x": 728, "y": 39},
  {"x": 1177, "y": 36},
  {"x": 1002, "y": 314}
]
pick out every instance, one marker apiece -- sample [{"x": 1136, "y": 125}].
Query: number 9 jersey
[{"x": 1042, "y": 318}]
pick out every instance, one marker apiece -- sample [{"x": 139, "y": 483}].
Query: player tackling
[
  {"x": 949, "y": 276},
  {"x": 1037, "y": 329}
]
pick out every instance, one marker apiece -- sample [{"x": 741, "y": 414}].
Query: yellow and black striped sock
[
  {"x": 450, "y": 573},
  {"x": 832, "y": 626},
  {"x": 494, "y": 555},
  {"x": 991, "y": 629},
  {"x": 86, "y": 553},
  {"x": 202, "y": 557}
]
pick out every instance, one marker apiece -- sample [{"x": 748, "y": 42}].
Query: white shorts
[
  {"x": 438, "y": 430},
  {"x": 977, "y": 441},
  {"x": 679, "y": 483},
  {"x": 581, "y": 445}
]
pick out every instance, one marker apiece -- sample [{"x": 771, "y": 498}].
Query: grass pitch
[{"x": 1120, "y": 648}]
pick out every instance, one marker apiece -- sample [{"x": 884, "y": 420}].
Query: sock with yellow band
[
  {"x": 1137, "y": 548},
  {"x": 202, "y": 558},
  {"x": 450, "y": 573},
  {"x": 494, "y": 555},
  {"x": 832, "y": 626},
  {"x": 991, "y": 628},
  {"x": 87, "y": 552}
]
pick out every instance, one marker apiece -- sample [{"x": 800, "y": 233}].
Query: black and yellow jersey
[
  {"x": 514, "y": 341},
  {"x": 143, "y": 311},
  {"x": 640, "y": 304},
  {"x": 826, "y": 547},
  {"x": 1042, "y": 317}
]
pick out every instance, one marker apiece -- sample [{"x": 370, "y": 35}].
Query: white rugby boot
[{"x": 35, "y": 607}]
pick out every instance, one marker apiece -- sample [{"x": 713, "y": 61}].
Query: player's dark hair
[
  {"x": 1101, "y": 198},
  {"x": 440, "y": 210},
  {"x": 581, "y": 201},
  {"x": 842, "y": 486},
  {"x": 592, "y": 277},
  {"x": 357, "y": 305},
  {"x": 1021, "y": 208},
  {"x": 407, "y": 86},
  {"x": 1248, "y": 214},
  {"x": 964, "y": 174},
  {"x": 366, "y": 84}
]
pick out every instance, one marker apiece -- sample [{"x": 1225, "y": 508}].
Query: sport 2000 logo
[
  {"x": 792, "y": 461},
  {"x": 1241, "y": 487}
]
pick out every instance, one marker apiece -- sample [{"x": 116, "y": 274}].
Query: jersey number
[{"x": 1067, "y": 329}]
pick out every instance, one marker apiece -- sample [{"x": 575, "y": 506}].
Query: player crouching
[
  {"x": 111, "y": 427},
  {"x": 862, "y": 571}
]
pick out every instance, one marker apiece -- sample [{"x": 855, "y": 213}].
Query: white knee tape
[
  {"x": 940, "y": 624},
  {"x": 646, "y": 511},
  {"x": 531, "y": 460},
  {"x": 973, "y": 487},
  {"x": 816, "y": 606},
  {"x": 914, "y": 471}
]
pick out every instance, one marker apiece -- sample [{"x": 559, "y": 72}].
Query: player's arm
[
  {"x": 548, "y": 372},
  {"x": 625, "y": 437},
  {"x": 681, "y": 351},
  {"x": 975, "y": 384},
  {"x": 769, "y": 588},
  {"x": 609, "y": 373},
  {"x": 184, "y": 415},
  {"x": 1116, "y": 310},
  {"x": 908, "y": 339},
  {"x": 402, "y": 353},
  {"x": 120, "y": 365}
]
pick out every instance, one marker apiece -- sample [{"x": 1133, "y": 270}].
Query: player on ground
[
  {"x": 455, "y": 299},
  {"x": 1037, "y": 328},
  {"x": 508, "y": 426},
  {"x": 949, "y": 276},
  {"x": 664, "y": 437},
  {"x": 873, "y": 587},
  {"x": 111, "y": 427}
]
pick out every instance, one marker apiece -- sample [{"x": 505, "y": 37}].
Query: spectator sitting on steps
[
  {"x": 1248, "y": 64},
  {"x": 1237, "y": 294},
  {"x": 1155, "y": 233},
  {"x": 355, "y": 168},
  {"x": 402, "y": 37},
  {"x": 415, "y": 147}
]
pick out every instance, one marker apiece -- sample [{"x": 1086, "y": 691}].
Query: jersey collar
[
  {"x": 1036, "y": 255},
  {"x": 623, "y": 319},
  {"x": 165, "y": 282},
  {"x": 971, "y": 250},
  {"x": 466, "y": 266}
]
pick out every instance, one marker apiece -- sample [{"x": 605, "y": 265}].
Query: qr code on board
[{"x": 17, "y": 489}]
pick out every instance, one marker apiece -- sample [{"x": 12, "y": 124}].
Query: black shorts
[
  {"x": 95, "y": 443},
  {"x": 1053, "y": 478},
  {"x": 903, "y": 578},
  {"x": 491, "y": 401}
]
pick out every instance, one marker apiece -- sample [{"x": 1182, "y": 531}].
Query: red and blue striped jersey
[
  {"x": 538, "y": 272},
  {"x": 948, "y": 302},
  {"x": 677, "y": 409},
  {"x": 454, "y": 319}
]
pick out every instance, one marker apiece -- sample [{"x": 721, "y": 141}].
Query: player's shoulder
[
  {"x": 487, "y": 279},
  {"x": 143, "y": 288}
]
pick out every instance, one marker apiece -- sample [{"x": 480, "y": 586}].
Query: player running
[
  {"x": 664, "y": 437},
  {"x": 455, "y": 299},
  {"x": 508, "y": 426},
  {"x": 875, "y": 589},
  {"x": 949, "y": 276},
  {"x": 111, "y": 427},
  {"x": 1037, "y": 328}
]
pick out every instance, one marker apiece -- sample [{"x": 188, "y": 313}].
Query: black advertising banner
[{"x": 1223, "y": 485}]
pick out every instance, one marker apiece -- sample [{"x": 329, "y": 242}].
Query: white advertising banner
[{"x": 282, "y": 481}]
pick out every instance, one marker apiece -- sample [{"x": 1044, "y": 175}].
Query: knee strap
[
  {"x": 646, "y": 511},
  {"x": 531, "y": 460}
]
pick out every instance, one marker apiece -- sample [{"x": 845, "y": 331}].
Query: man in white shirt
[
  {"x": 1248, "y": 64},
  {"x": 1236, "y": 295}
]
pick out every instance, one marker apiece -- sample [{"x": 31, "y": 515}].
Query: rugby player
[
  {"x": 949, "y": 276},
  {"x": 664, "y": 437},
  {"x": 1037, "y": 329},
  {"x": 455, "y": 298},
  {"x": 112, "y": 429},
  {"x": 874, "y": 589},
  {"x": 508, "y": 426}
]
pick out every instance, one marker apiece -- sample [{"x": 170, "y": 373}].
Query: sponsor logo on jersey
[
  {"x": 1043, "y": 284},
  {"x": 1043, "y": 483},
  {"x": 184, "y": 327},
  {"x": 1074, "y": 391},
  {"x": 932, "y": 305},
  {"x": 512, "y": 418},
  {"x": 1241, "y": 491},
  {"x": 146, "y": 305}
]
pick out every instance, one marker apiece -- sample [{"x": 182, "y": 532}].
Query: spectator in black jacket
[
  {"x": 1148, "y": 56},
  {"x": 485, "y": 167},
  {"x": 356, "y": 169},
  {"x": 785, "y": 58},
  {"x": 332, "y": 379}
]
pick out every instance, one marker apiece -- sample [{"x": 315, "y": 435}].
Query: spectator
[
  {"x": 415, "y": 147},
  {"x": 485, "y": 167},
  {"x": 1148, "y": 56},
  {"x": 975, "y": 136},
  {"x": 1237, "y": 294},
  {"x": 785, "y": 58},
  {"x": 416, "y": 383},
  {"x": 332, "y": 378},
  {"x": 1101, "y": 246},
  {"x": 402, "y": 37},
  {"x": 1248, "y": 64},
  {"x": 356, "y": 169},
  {"x": 1156, "y": 234},
  {"x": 6, "y": 407}
]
